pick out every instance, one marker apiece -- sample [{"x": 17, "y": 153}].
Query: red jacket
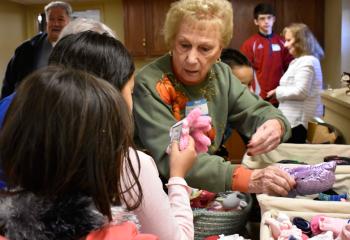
[
  {"x": 124, "y": 231},
  {"x": 270, "y": 59}
]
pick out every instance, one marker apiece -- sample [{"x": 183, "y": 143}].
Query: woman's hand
[
  {"x": 271, "y": 180},
  {"x": 182, "y": 161},
  {"x": 271, "y": 94},
  {"x": 266, "y": 138}
]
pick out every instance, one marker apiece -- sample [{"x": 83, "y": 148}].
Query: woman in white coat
[{"x": 300, "y": 87}]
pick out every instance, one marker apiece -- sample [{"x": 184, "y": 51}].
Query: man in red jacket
[{"x": 266, "y": 51}]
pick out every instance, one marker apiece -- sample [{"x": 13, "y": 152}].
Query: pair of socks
[
  {"x": 322, "y": 227},
  {"x": 282, "y": 228},
  {"x": 323, "y": 236},
  {"x": 345, "y": 233},
  {"x": 321, "y": 224}
]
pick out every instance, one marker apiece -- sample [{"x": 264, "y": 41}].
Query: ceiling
[{"x": 45, "y": 1}]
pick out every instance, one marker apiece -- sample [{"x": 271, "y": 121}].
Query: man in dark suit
[{"x": 34, "y": 53}]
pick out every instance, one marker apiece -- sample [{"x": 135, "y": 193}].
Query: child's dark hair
[
  {"x": 263, "y": 8},
  {"x": 106, "y": 58},
  {"x": 66, "y": 132},
  {"x": 233, "y": 58},
  {"x": 99, "y": 54}
]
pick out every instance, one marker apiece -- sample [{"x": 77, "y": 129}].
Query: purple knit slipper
[{"x": 311, "y": 179}]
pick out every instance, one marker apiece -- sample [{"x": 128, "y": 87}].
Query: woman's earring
[
  {"x": 218, "y": 60},
  {"x": 170, "y": 53}
]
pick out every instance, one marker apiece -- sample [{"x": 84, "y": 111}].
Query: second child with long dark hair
[
  {"x": 107, "y": 58},
  {"x": 63, "y": 148}
]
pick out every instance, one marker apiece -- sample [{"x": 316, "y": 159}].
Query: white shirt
[{"x": 299, "y": 91}]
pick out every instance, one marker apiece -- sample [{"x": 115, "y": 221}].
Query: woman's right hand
[
  {"x": 182, "y": 161},
  {"x": 271, "y": 180}
]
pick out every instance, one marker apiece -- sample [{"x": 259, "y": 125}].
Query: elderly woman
[
  {"x": 190, "y": 75},
  {"x": 300, "y": 87}
]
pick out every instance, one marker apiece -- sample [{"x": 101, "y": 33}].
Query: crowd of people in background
[{"x": 74, "y": 113}]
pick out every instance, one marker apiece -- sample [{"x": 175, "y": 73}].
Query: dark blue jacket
[
  {"x": 4, "y": 106},
  {"x": 22, "y": 63}
]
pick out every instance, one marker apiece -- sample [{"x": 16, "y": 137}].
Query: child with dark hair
[
  {"x": 233, "y": 145},
  {"x": 63, "y": 148},
  {"x": 233, "y": 57},
  {"x": 240, "y": 65},
  {"x": 266, "y": 51},
  {"x": 107, "y": 58},
  {"x": 262, "y": 9}
]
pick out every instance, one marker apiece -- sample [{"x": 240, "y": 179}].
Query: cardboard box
[
  {"x": 310, "y": 154},
  {"x": 265, "y": 232}
]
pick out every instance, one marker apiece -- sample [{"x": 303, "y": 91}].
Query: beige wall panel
[{"x": 12, "y": 31}]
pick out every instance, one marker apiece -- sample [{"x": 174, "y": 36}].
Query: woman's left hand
[
  {"x": 271, "y": 93},
  {"x": 266, "y": 138}
]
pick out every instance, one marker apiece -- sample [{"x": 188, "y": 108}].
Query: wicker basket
[{"x": 208, "y": 223}]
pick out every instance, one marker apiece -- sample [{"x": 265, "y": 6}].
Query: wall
[
  {"x": 345, "y": 37},
  {"x": 12, "y": 16},
  {"x": 331, "y": 63},
  {"x": 114, "y": 16},
  {"x": 337, "y": 47}
]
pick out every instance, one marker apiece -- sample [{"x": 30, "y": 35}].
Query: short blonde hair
[
  {"x": 208, "y": 11},
  {"x": 83, "y": 24},
  {"x": 305, "y": 42}
]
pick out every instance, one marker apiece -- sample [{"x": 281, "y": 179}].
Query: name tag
[
  {"x": 276, "y": 47},
  {"x": 202, "y": 104}
]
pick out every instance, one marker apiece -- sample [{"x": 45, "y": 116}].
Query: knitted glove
[
  {"x": 332, "y": 224},
  {"x": 194, "y": 125}
]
